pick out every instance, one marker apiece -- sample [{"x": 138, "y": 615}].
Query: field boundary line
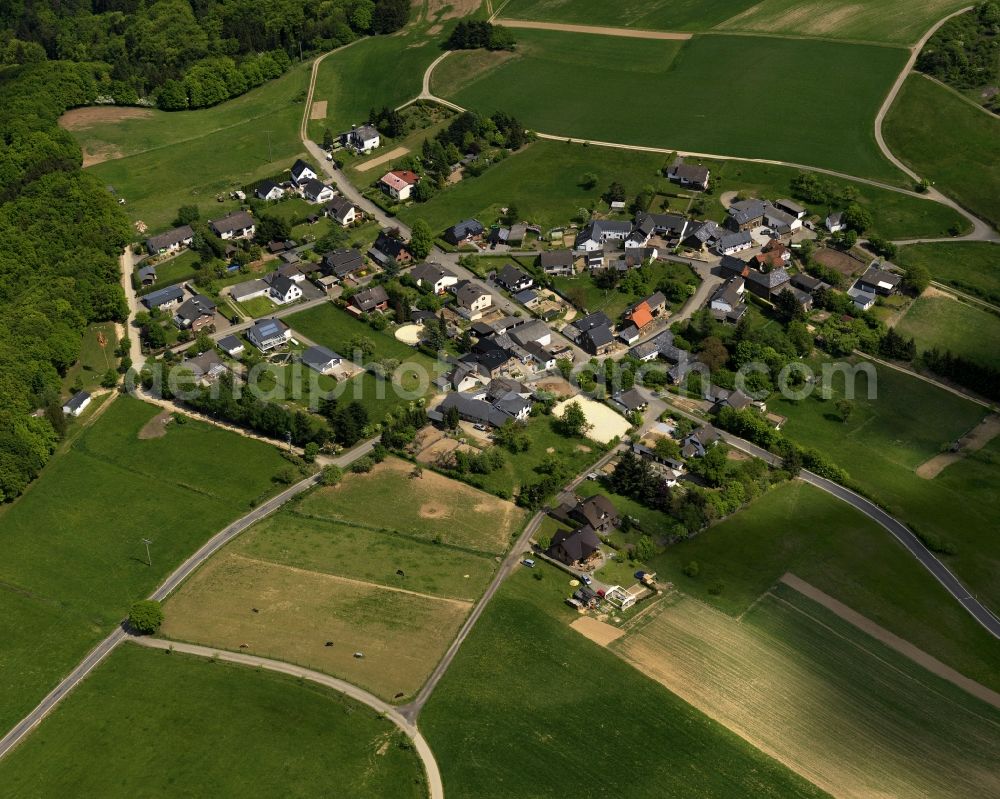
[
  {"x": 962, "y": 295},
  {"x": 943, "y": 386},
  {"x": 465, "y": 603},
  {"x": 911, "y": 652},
  {"x": 956, "y": 92},
  {"x": 424, "y": 752},
  {"x": 595, "y": 30}
]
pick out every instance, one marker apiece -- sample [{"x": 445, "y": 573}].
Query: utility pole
[{"x": 149, "y": 560}]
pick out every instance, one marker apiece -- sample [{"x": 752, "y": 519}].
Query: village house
[
  {"x": 598, "y": 511},
  {"x": 164, "y": 298},
  {"x": 514, "y": 279},
  {"x": 593, "y": 333},
  {"x": 465, "y": 231},
  {"x": 433, "y": 277},
  {"x": 808, "y": 283},
  {"x": 362, "y": 139},
  {"x": 702, "y": 235},
  {"x": 146, "y": 275},
  {"x": 195, "y": 314},
  {"x": 284, "y": 290},
  {"x": 697, "y": 443},
  {"x": 231, "y": 345},
  {"x": 236, "y": 225},
  {"x": 782, "y": 222},
  {"x": 575, "y": 548},
  {"x": 171, "y": 241},
  {"x": 399, "y": 183},
  {"x": 316, "y": 191},
  {"x": 248, "y": 290},
  {"x": 732, "y": 243},
  {"x": 471, "y": 298},
  {"x": 767, "y": 285},
  {"x": 269, "y": 190},
  {"x": 791, "y": 207},
  {"x": 206, "y": 367},
  {"x": 342, "y": 264},
  {"x": 76, "y": 404},
  {"x": 556, "y": 262},
  {"x": 597, "y": 233},
  {"x": 630, "y": 401},
  {"x": 835, "y": 222},
  {"x": 267, "y": 334},
  {"x": 389, "y": 247},
  {"x": 746, "y": 215},
  {"x": 341, "y": 210},
  {"x": 688, "y": 174},
  {"x": 371, "y": 299},
  {"x": 320, "y": 359},
  {"x": 727, "y": 303},
  {"x": 302, "y": 173},
  {"x": 878, "y": 281}
]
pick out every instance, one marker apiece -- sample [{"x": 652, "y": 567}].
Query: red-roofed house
[
  {"x": 641, "y": 315},
  {"x": 399, "y": 183}
]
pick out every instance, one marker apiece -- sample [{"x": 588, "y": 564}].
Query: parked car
[
  {"x": 529, "y": 563},
  {"x": 586, "y": 579},
  {"x": 480, "y": 427}
]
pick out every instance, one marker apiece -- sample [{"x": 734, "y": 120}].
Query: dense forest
[
  {"x": 965, "y": 53},
  {"x": 60, "y": 234},
  {"x": 186, "y": 53}
]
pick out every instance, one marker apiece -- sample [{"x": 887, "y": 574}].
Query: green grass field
[
  {"x": 431, "y": 508},
  {"x": 891, "y": 21},
  {"x": 972, "y": 266},
  {"x": 174, "y": 270},
  {"x": 894, "y": 215},
  {"x": 531, "y": 708},
  {"x": 801, "y": 529},
  {"x": 544, "y": 181},
  {"x": 188, "y": 157},
  {"x": 95, "y": 359},
  {"x": 833, "y": 124},
  {"x": 582, "y": 292},
  {"x": 944, "y": 322},
  {"x": 854, "y": 716},
  {"x": 521, "y": 468},
  {"x": 147, "y": 723},
  {"x": 949, "y": 142},
  {"x": 885, "y": 440},
  {"x": 355, "y": 79},
  {"x": 376, "y": 556},
  {"x": 73, "y": 558}
]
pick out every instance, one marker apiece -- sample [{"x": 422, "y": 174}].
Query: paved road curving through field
[{"x": 423, "y": 749}]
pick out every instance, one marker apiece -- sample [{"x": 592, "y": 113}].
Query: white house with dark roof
[
  {"x": 341, "y": 210},
  {"x": 284, "y": 290},
  {"x": 433, "y": 277},
  {"x": 732, "y": 243},
  {"x": 164, "y": 298},
  {"x": 835, "y": 222},
  {"x": 269, "y": 190},
  {"x": 362, "y": 138},
  {"x": 248, "y": 290},
  {"x": 267, "y": 334},
  {"x": 556, "y": 262},
  {"x": 76, "y": 404},
  {"x": 876, "y": 280},
  {"x": 692, "y": 175},
  {"x": 231, "y": 345},
  {"x": 316, "y": 191},
  {"x": 171, "y": 241},
  {"x": 514, "y": 279},
  {"x": 595, "y": 234},
  {"x": 302, "y": 173},
  {"x": 236, "y": 225}
]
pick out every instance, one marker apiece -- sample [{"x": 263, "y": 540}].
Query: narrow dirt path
[{"x": 422, "y": 748}]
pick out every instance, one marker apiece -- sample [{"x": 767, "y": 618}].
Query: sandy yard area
[
  {"x": 157, "y": 426},
  {"x": 606, "y": 423},
  {"x": 409, "y": 334},
  {"x": 371, "y": 163},
  {"x": 318, "y": 110},
  {"x": 597, "y": 631},
  {"x": 977, "y": 438},
  {"x": 629, "y": 33}
]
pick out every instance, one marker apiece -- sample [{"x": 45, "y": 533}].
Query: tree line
[
  {"x": 60, "y": 234},
  {"x": 479, "y": 34},
  {"x": 187, "y": 53}
]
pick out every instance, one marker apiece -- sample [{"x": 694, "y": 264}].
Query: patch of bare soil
[
  {"x": 597, "y": 631},
  {"x": 155, "y": 427},
  {"x": 904, "y": 647},
  {"x": 432, "y": 510},
  {"x": 82, "y": 118},
  {"x": 557, "y": 386},
  {"x": 977, "y": 438},
  {"x": 583, "y": 448},
  {"x": 318, "y": 110},
  {"x": 450, "y": 9},
  {"x": 371, "y": 163}
]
